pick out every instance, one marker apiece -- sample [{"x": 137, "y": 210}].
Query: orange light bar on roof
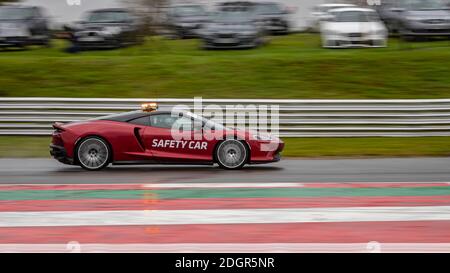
[{"x": 149, "y": 107}]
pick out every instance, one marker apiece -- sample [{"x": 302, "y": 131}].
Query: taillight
[{"x": 57, "y": 138}]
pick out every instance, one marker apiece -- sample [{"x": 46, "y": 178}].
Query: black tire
[
  {"x": 93, "y": 153},
  {"x": 231, "y": 154}
]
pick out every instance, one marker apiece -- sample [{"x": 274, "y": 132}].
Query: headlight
[{"x": 247, "y": 33}]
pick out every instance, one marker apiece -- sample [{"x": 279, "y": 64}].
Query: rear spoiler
[{"x": 58, "y": 126}]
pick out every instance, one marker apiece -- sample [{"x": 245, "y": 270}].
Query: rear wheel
[
  {"x": 93, "y": 153},
  {"x": 231, "y": 154}
]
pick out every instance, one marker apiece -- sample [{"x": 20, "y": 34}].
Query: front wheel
[
  {"x": 231, "y": 154},
  {"x": 93, "y": 154}
]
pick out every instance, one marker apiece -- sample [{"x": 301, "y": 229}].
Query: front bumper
[
  {"x": 420, "y": 28},
  {"x": 95, "y": 40},
  {"x": 60, "y": 154},
  {"x": 264, "y": 155},
  {"x": 13, "y": 41},
  {"x": 230, "y": 42},
  {"x": 98, "y": 44},
  {"x": 427, "y": 32},
  {"x": 348, "y": 41}
]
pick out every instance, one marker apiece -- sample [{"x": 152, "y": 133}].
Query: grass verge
[
  {"x": 295, "y": 147},
  {"x": 293, "y": 66}
]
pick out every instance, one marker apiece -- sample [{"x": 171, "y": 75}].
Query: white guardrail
[{"x": 297, "y": 118}]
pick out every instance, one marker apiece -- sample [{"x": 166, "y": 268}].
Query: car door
[{"x": 180, "y": 145}]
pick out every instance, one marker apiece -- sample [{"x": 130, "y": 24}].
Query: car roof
[
  {"x": 131, "y": 115},
  {"x": 351, "y": 9}
]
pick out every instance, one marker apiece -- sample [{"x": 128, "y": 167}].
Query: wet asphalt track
[{"x": 48, "y": 171}]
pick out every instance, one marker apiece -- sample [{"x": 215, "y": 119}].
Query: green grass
[
  {"x": 22, "y": 146},
  {"x": 295, "y": 147},
  {"x": 367, "y": 147},
  {"x": 291, "y": 66}
]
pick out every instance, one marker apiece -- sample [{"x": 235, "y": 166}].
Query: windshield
[
  {"x": 268, "y": 9},
  {"x": 15, "y": 13},
  {"x": 423, "y": 4},
  {"x": 189, "y": 11},
  {"x": 355, "y": 16},
  {"x": 107, "y": 17},
  {"x": 232, "y": 17}
]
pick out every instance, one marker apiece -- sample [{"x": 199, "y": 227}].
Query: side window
[
  {"x": 163, "y": 121},
  {"x": 168, "y": 121},
  {"x": 145, "y": 121}
]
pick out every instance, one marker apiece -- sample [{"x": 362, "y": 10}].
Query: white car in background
[
  {"x": 353, "y": 27},
  {"x": 320, "y": 12}
]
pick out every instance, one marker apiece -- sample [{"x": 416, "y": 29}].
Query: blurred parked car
[
  {"x": 187, "y": 19},
  {"x": 412, "y": 18},
  {"x": 353, "y": 27},
  {"x": 107, "y": 28},
  {"x": 271, "y": 15},
  {"x": 23, "y": 25},
  {"x": 232, "y": 29},
  {"x": 320, "y": 12},
  {"x": 274, "y": 17}
]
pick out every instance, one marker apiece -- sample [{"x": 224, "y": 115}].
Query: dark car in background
[
  {"x": 414, "y": 18},
  {"x": 187, "y": 19},
  {"x": 271, "y": 15},
  {"x": 232, "y": 29},
  {"x": 107, "y": 28},
  {"x": 274, "y": 17},
  {"x": 21, "y": 26}
]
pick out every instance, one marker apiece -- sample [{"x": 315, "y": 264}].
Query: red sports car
[{"x": 147, "y": 137}]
